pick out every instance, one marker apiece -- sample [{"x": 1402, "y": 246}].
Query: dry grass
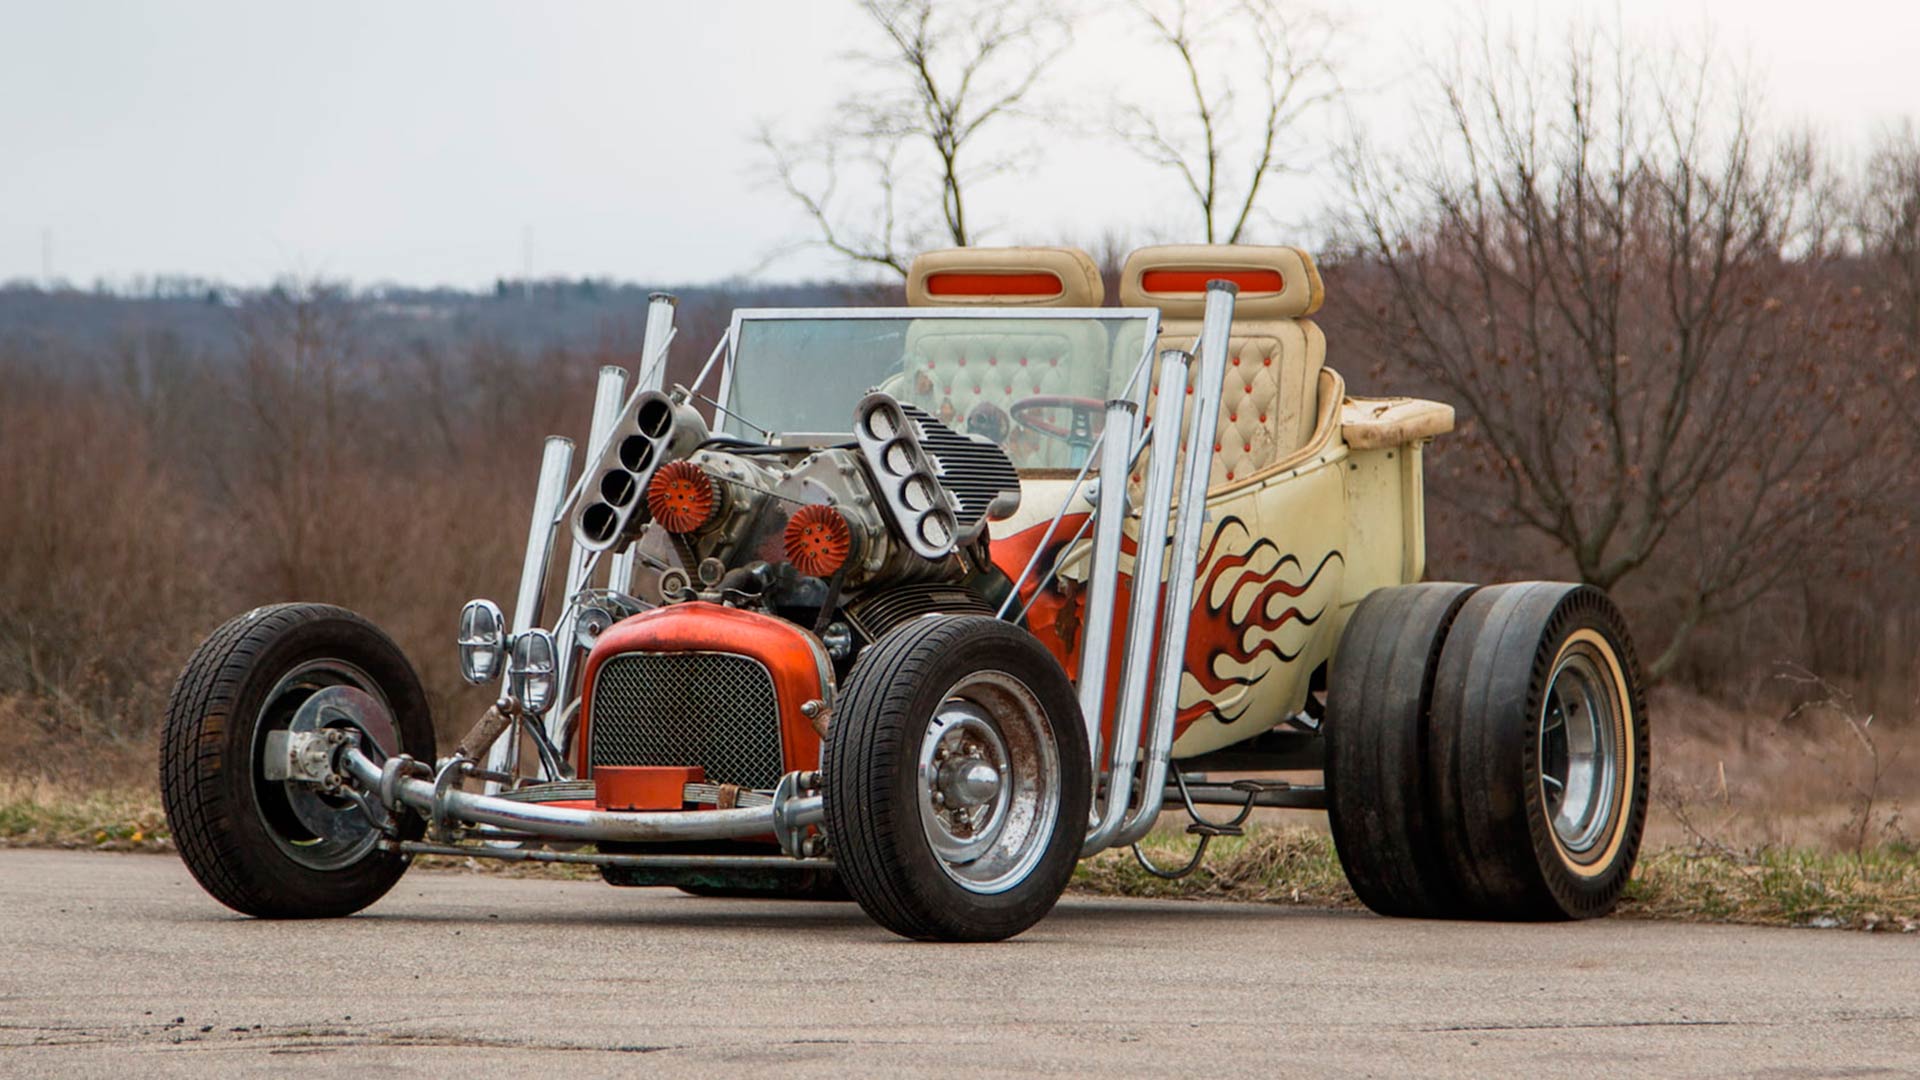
[
  {"x": 44, "y": 813},
  {"x": 1822, "y": 776},
  {"x": 1269, "y": 865},
  {"x": 1878, "y": 889}
]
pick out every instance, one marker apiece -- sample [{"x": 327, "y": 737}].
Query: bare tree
[
  {"x": 1622, "y": 281},
  {"x": 1254, "y": 69},
  {"x": 1888, "y": 213},
  {"x": 950, "y": 73}
]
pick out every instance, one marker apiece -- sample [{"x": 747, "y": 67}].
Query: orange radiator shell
[{"x": 795, "y": 658}]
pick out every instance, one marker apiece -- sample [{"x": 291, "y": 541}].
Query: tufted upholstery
[
  {"x": 1270, "y": 397},
  {"x": 1005, "y": 277},
  {"x": 954, "y": 366}
]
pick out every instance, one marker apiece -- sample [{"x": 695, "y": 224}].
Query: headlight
[
  {"x": 483, "y": 639},
  {"x": 530, "y": 670}
]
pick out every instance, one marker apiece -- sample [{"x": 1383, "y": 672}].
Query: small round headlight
[
  {"x": 530, "y": 669},
  {"x": 483, "y": 641}
]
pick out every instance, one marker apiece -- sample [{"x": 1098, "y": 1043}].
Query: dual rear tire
[{"x": 1487, "y": 752}]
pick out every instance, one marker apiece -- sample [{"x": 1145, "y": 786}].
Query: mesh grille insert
[{"x": 714, "y": 710}]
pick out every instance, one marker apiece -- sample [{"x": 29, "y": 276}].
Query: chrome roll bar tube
[
  {"x": 556, "y": 464},
  {"x": 653, "y": 372},
  {"x": 1215, "y": 335},
  {"x": 1136, "y": 664},
  {"x": 609, "y": 395},
  {"x": 444, "y": 802},
  {"x": 1103, "y": 576}
]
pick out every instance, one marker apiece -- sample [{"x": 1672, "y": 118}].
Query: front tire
[
  {"x": 957, "y": 780},
  {"x": 272, "y": 848},
  {"x": 1540, "y": 743}
]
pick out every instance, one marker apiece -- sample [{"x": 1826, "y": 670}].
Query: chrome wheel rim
[
  {"x": 988, "y": 782},
  {"x": 1579, "y": 746},
  {"x": 314, "y": 829}
]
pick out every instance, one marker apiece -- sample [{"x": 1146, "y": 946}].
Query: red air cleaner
[
  {"x": 682, "y": 497},
  {"x": 818, "y": 540}
]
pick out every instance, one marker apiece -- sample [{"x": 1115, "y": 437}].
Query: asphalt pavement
[{"x": 119, "y": 966}]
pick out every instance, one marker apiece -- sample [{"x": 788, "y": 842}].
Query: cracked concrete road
[{"x": 118, "y": 965}]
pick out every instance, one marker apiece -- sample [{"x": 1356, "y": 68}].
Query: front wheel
[
  {"x": 277, "y": 848},
  {"x": 957, "y": 780}
]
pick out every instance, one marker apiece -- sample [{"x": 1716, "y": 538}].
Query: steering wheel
[{"x": 1088, "y": 414}]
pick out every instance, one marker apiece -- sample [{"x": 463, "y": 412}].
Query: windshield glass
[{"x": 1032, "y": 381}]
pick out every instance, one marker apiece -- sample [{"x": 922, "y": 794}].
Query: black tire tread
[
  {"x": 1380, "y": 804},
  {"x": 1493, "y": 672},
  {"x": 193, "y": 761},
  {"x": 862, "y": 817}
]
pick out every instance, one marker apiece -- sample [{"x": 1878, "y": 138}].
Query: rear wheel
[
  {"x": 281, "y": 848},
  {"x": 957, "y": 780},
  {"x": 1379, "y": 798},
  {"x": 1540, "y": 741}
]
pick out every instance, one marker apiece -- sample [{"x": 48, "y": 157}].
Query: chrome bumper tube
[
  {"x": 584, "y": 858},
  {"x": 782, "y": 819}
]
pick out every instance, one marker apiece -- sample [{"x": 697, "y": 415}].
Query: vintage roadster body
[{"x": 921, "y": 605}]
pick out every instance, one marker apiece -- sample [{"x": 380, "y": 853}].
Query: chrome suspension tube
[
  {"x": 1136, "y": 664},
  {"x": 556, "y": 462},
  {"x": 1215, "y": 334},
  {"x": 653, "y": 372},
  {"x": 1103, "y": 576},
  {"x": 552, "y": 821},
  {"x": 609, "y": 394},
  {"x": 654, "y": 340}
]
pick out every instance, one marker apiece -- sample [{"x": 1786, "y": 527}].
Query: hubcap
[
  {"x": 989, "y": 782},
  {"x": 315, "y": 829},
  {"x": 1579, "y": 745}
]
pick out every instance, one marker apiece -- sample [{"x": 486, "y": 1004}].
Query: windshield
[{"x": 1033, "y": 381}]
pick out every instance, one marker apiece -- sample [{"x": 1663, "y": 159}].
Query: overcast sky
[{"x": 424, "y": 143}]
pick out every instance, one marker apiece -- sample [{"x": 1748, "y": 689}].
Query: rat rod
[{"x": 923, "y": 605}]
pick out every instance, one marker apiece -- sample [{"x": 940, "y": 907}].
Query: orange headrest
[
  {"x": 1008, "y": 276},
  {"x": 1275, "y": 282}
]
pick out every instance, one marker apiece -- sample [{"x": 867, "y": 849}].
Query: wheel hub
[
  {"x": 1579, "y": 749},
  {"x": 970, "y": 783},
  {"x": 314, "y": 827},
  {"x": 988, "y": 781}
]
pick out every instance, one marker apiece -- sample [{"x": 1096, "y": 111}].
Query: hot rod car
[{"x": 922, "y": 605}]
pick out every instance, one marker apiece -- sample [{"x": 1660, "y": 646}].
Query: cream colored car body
[
  {"x": 1342, "y": 517},
  {"x": 1316, "y": 498}
]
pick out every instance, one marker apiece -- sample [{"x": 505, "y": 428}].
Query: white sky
[{"x": 422, "y": 142}]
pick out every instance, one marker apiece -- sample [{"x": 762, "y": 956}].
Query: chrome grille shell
[{"x": 717, "y": 710}]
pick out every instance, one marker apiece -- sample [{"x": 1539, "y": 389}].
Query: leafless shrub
[
  {"x": 951, "y": 74},
  {"x": 1628, "y": 285},
  {"x": 1254, "y": 70},
  {"x": 1865, "y": 776}
]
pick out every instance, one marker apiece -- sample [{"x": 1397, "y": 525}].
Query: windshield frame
[{"x": 1137, "y": 380}]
